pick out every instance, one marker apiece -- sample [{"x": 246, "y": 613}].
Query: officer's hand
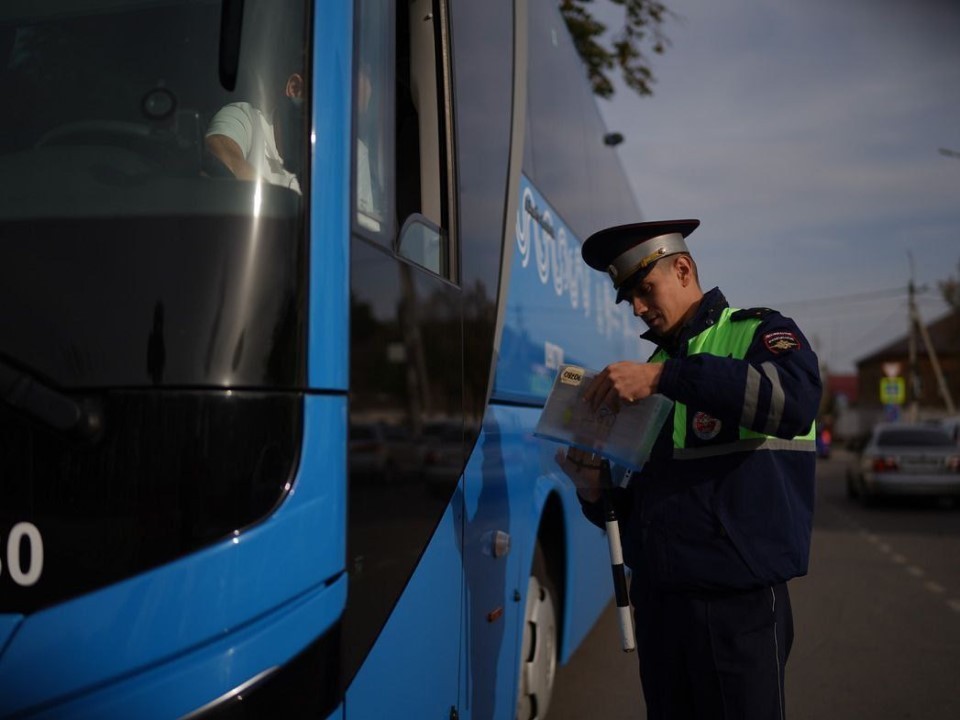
[
  {"x": 589, "y": 473},
  {"x": 622, "y": 382}
]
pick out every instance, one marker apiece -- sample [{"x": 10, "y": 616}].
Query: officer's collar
[{"x": 711, "y": 305}]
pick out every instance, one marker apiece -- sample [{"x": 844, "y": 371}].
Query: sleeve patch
[{"x": 781, "y": 341}]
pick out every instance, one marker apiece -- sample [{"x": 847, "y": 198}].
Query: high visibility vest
[{"x": 732, "y": 338}]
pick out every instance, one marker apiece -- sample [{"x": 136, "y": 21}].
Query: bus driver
[{"x": 254, "y": 143}]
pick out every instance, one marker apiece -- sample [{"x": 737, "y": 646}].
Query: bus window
[
  {"x": 402, "y": 172},
  {"x": 115, "y": 102},
  {"x": 374, "y": 99}
]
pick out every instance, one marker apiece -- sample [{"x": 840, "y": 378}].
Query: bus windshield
[
  {"x": 152, "y": 276},
  {"x": 153, "y": 165},
  {"x": 123, "y": 107}
]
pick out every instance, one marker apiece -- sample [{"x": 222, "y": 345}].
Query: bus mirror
[{"x": 422, "y": 241}]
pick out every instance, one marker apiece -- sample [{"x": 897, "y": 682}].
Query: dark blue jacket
[{"x": 724, "y": 513}]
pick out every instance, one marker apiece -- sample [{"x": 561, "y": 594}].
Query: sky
[{"x": 806, "y": 136}]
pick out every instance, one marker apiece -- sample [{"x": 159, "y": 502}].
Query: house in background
[{"x": 944, "y": 335}]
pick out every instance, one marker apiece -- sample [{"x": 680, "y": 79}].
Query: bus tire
[{"x": 538, "y": 661}]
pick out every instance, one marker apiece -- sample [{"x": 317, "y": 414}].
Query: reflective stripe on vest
[{"x": 726, "y": 338}]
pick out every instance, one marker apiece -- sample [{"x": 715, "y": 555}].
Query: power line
[
  {"x": 855, "y": 297},
  {"x": 874, "y": 335}
]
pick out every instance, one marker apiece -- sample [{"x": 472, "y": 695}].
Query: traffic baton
[{"x": 616, "y": 565}]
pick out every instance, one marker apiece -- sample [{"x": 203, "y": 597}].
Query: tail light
[{"x": 885, "y": 464}]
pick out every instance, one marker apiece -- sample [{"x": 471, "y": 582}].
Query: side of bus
[{"x": 471, "y": 572}]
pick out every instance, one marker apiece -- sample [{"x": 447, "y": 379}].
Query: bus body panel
[
  {"x": 555, "y": 311},
  {"x": 8, "y": 626},
  {"x": 143, "y": 621},
  {"x": 589, "y": 585},
  {"x": 505, "y": 487},
  {"x": 411, "y": 671},
  {"x": 494, "y": 503},
  {"x": 327, "y": 345},
  {"x": 196, "y": 680},
  {"x": 533, "y": 480},
  {"x": 558, "y": 309}
]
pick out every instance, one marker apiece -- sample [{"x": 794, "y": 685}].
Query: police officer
[{"x": 720, "y": 517}]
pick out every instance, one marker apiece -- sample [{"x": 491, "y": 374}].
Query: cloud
[{"x": 805, "y": 136}]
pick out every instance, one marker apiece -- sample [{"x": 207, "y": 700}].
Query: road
[{"x": 877, "y": 620}]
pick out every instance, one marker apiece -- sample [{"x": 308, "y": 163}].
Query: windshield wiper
[{"x": 22, "y": 391}]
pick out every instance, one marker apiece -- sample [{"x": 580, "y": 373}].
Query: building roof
[{"x": 944, "y": 334}]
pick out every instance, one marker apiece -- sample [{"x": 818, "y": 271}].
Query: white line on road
[{"x": 899, "y": 559}]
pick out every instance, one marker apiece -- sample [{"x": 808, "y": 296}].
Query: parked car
[
  {"x": 906, "y": 459},
  {"x": 367, "y": 453}
]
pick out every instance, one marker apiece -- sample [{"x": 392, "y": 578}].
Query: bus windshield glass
[
  {"x": 153, "y": 170},
  {"x": 148, "y": 107}
]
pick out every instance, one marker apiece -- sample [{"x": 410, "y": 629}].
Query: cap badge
[{"x": 655, "y": 255}]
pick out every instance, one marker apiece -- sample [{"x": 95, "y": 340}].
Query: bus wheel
[{"x": 538, "y": 666}]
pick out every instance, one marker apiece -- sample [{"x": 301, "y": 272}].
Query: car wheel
[{"x": 538, "y": 662}]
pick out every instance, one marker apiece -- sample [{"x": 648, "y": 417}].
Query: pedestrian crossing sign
[{"x": 893, "y": 391}]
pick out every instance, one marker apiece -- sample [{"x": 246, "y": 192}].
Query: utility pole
[
  {"x": 913, "y": 410},
  {"x": 916, "y": 324},
  {"x": 941, "y": 380}
]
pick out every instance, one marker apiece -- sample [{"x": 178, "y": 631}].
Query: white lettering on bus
[
  {"x": 19, "y": 533},
  {"x": 557, "y": 258}
]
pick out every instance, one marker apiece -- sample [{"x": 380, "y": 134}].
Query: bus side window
[
  {"x": 401, "y": 171},
  {"x": 374, "y": 115}
]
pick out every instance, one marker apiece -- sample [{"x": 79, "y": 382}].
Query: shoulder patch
[
  {"x": 781, "y": 341},
  {"x": 756, "y": 313}
]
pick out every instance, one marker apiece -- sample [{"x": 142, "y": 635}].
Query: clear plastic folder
[{"x": 625, "y": 437}]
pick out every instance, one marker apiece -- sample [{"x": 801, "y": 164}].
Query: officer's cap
[{"x": 628, "y": 252}]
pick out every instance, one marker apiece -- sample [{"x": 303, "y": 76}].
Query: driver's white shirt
[{"x": 253, "y": 132}]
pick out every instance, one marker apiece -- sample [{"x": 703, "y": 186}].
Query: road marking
[{"x": 898, "y": 559}]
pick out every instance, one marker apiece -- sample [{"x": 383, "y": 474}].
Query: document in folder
[{"x": 625, "y": 437}]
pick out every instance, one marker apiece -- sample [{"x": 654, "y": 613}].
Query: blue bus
[{"x": 266, "y": 439}]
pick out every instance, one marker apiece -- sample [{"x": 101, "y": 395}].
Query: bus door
[{"x": 406, "y": 366}]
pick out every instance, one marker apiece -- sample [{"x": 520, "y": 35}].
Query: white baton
[{"x": 619, "y": 576}]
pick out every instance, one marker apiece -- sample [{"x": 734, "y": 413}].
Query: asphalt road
[{"x": 877, "y": 620}]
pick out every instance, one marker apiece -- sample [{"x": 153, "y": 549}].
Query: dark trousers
[{"x": 713, "y": 655}]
